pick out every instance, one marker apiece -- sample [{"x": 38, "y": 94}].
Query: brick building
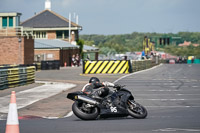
[
  {"x": 55, "y": 50},
  {"x": 16, "y": 50},
  {"x": 45, "y": 30},
  {"x": 14, "y": 47},
  {"x": 50, "y": 25},
  {"x": 53, "y": 34}
]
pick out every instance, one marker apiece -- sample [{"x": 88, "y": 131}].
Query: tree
[
  {"x": 107, "y": 51},
  {"x": 133, "y": 42},
  {"x": 80, "y": 43}
]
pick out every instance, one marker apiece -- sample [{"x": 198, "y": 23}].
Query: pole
[
  {"x": 77, "y": 19},
  {"x": 69, "y": 27}
]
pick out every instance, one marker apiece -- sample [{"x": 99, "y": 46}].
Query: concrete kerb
[{"x": 30, "y": 96}]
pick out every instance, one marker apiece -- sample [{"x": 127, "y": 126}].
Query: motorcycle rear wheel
[
  {"x": 84, "y": 113},
  {"x": 136, "y": 110}
]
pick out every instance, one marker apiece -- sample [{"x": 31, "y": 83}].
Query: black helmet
[{"x": 94, "y": 80}]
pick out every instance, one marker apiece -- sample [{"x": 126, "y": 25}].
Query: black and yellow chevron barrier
[{"x": 106, "y": 66}]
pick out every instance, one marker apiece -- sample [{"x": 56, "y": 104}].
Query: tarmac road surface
[
  {"x": 53, "y": 105},
  {"x": 171, "y": 94}
]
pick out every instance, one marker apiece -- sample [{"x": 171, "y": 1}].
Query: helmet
[{"x": 94, "y": 80}]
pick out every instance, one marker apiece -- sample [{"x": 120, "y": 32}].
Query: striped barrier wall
[{"x": 106, "y": 66}]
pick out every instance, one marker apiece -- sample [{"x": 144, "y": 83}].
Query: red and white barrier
[{"x": 12, "y": 125}]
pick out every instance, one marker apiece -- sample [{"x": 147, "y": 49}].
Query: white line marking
[
  {"x": 185, "y": 116},
  {"x": 195, "y": 86},
  {"x": 168, "y": 99},
  {"x": 168, "y": 90},
  {"x": 172, "y": 106},
  {"x": 69, "y": 114},
  {"x": 50, "y": 117},
  {"x": 176, "y": 129},
  {"x": 136, "y": 73},
  {"x": 167, "y": 94},
  {"x": 161, "y": 90}
]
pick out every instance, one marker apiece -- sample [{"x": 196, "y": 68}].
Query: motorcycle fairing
[
  {"x": 118, "y": 105},
  {"x": 73, "y": 95},
  {"x": 123, "y": 96}
]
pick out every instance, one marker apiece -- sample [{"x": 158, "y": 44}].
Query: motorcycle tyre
[
  {"x": 82, "y": 115},
  {"x": 138, "y": 116}
]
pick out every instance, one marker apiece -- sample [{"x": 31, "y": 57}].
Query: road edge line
[{"x": 137, "y": 72}]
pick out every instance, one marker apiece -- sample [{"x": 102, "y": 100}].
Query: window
[
  {"x": 17, "y": 21},
  {"x": 4, "y": 22},
  {"x": 62, "y": 34},
  {"x": 7, "y": 22},
  {"x": 43, "y": 34},
  {"x": 66, "y": 33},
  {"x": 59, "y": 34},
  {"x": 40, "y": 34},
  {"x": 37, "y": 34},
  {"x": 50, "y": 56},
  {"x": 10, "y": 21}
]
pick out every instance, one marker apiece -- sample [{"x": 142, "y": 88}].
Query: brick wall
[
  {"x": 13, "y": 51},
  {"x": 51, "y": 34},
  {"x": 57, "y": 54},
  {"x": 28, "y": 51},
  {"x": 50, "y": 54}
]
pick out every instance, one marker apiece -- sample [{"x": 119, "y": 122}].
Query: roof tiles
[{"x": 48, "y": 19}]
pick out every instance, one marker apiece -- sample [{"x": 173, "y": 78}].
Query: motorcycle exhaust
[{"x": 87, "y": 99}]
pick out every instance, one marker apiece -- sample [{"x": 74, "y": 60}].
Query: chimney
[{"x": 47, "y": 5}]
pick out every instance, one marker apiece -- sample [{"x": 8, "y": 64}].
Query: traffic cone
[
  {"x": 12, "y": 125},
  {"x": 65, "y": 64}
]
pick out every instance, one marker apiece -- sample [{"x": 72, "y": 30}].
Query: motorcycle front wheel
[
  {"x": 82, "y": 111},
  {"x": 136, "y": 110}
]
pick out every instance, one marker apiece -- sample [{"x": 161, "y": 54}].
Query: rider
[{"x": 94, "y": 84}]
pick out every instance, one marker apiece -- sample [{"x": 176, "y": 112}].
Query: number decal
[{"x": 113, "y": 109}]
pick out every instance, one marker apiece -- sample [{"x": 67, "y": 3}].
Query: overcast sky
[{"x": 118, "y": 16}]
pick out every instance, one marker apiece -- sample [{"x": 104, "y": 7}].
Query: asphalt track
[{"x": 171, "y": 94}]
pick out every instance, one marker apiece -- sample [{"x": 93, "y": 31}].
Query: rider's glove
[
  {"x": 117, "y": 86},
  {"x": 108, "y": 84}
]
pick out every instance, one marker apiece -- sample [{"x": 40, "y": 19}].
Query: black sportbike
[{"x": 118, "y": 103}]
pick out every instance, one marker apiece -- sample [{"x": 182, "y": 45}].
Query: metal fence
[{"x": 17, "y": 31}]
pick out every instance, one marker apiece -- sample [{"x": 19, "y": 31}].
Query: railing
[{"x": 16, "y": 31}]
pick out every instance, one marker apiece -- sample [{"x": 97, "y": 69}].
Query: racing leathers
[{"x": 97, "y": 89}]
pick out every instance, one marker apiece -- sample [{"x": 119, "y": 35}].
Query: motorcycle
[{"x": 118, "y": 103}]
